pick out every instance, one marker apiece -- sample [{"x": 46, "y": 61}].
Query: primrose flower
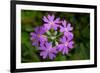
[
  {"x": 50, "y": 22},
  {"x": 65, "y": 45},
  {"x": 62, "y": 39},
  {"x": 40, "y": 30},
  {"x": 38, "y": 36},
  {"x": 48, "y": 51},
  {"x": 66, "y": 28}
]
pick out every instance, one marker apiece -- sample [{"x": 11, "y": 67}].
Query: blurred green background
[{"x": 80, "y": 22}]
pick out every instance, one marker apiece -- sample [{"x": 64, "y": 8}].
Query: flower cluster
[{"x": 52, "y": 37}]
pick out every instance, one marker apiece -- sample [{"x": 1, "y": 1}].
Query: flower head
[
  {"x": 44, "y": 35},
  {"x": 47, "y": 51},
  {"x": 50, "y": 22},
  {"x": 40, "y": 30},
  {"x": 66, "y": 28},
  {"x": 38, "y": 36},
  {"x": 65, "y": 45}
]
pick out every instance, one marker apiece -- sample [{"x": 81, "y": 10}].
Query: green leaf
[
  {"x": 60, "y": 57},
  {"x": 86, "y": 32},
  {"x": 48, "y": 33},
  {"x": 29, "y": 50},
  {"x": 24, "y": 37}
]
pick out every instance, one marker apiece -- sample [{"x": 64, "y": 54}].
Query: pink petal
[
  {"x": 44, "y": 54},
  {"x": 45, "y": 19},
  {"x": 51, "y": 56},
  {"x": 71, "y": 44},
  {"x": 69, "y": 27},
  {"x": 57, "y": 20},
  {"x": 64, "y": 23},
  {"x": 51, "y": 18},
  {"x": 65, "y": 50}
]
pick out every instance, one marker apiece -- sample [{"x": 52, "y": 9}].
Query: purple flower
[
  {"x": 40, "y": 30},
  {"x": 65, "y": 45},
  {"x": 47, "y": 51},
  {"x": 50, "y": 22},
  {"x": 38, "y": 36},
  {"x": 66, "y": 28}
]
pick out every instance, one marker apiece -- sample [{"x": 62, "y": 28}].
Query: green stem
[{"x": 59, "y": 35}]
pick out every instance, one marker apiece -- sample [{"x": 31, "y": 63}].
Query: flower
[
  {"x": 40, "y": 30},
  {"x": 50, "y": 22},
  {"x": 48, "y": 51},
  {"x": 65, "y": 45},
  {"x": 47, "y": 33},
  {"x": 38, "y": 36},
  {"x": 66, "y": 28}
]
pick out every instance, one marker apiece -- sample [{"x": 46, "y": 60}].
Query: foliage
[{"x": 81, "y": 23}]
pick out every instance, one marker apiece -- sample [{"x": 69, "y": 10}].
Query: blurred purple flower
[
  {"x": 40, "y": 30},
  {"x": 65, "y": 45},
  {"x": 47, "y": 51},
  {"x": 38, "y": 36},
  {"x": 66, "y": 28},
  {"x": 50, "y": 22}
]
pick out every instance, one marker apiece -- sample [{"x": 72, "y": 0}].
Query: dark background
[{"x": 80, "y": 22}]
